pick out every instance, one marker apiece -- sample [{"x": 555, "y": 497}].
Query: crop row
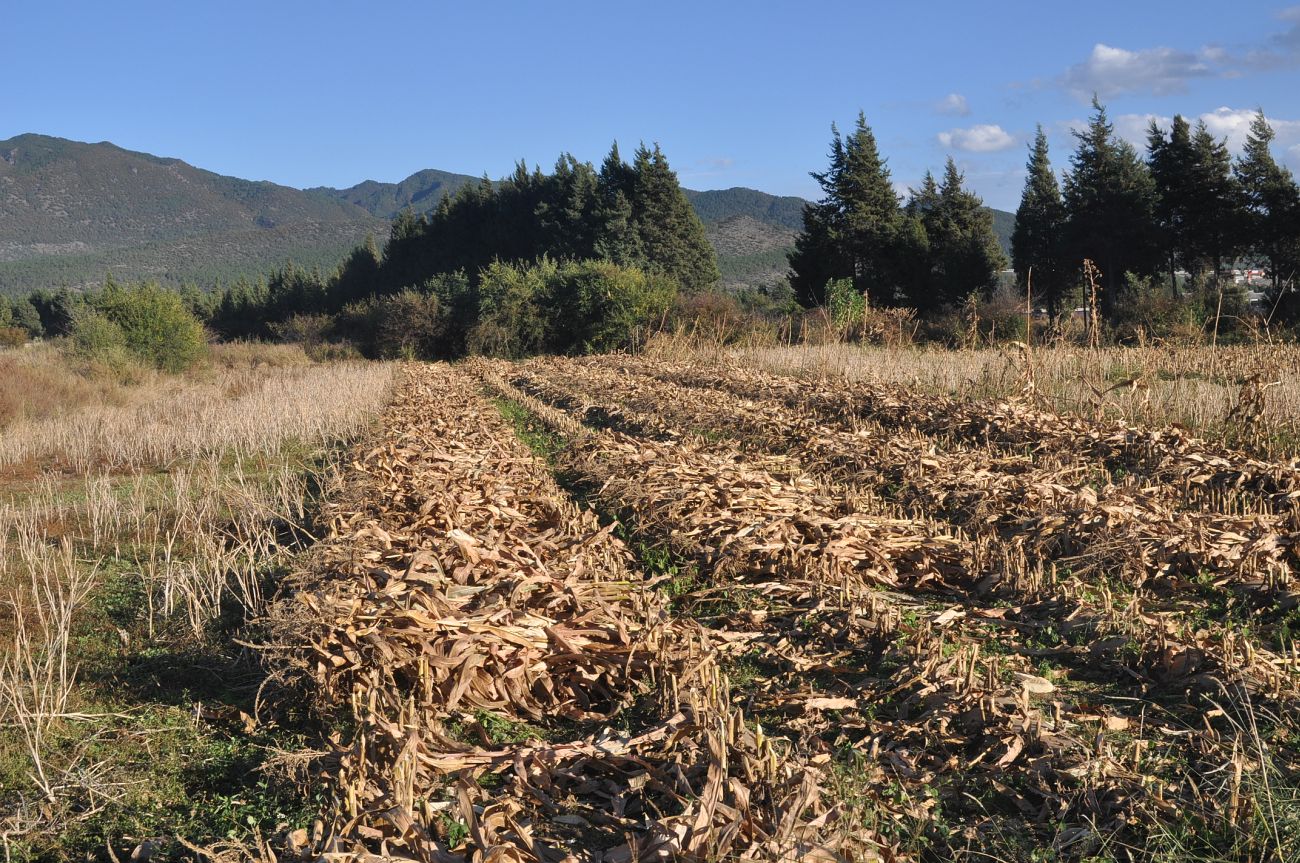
[
  {"x": 920, "y": 698},
  {"x": 507, "y": 684}
]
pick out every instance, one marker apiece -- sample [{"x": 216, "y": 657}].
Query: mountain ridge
[{"x": 72, "y": 211}]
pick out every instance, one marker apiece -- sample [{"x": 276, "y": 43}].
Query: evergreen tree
[
  {"x": 915, "y": 268},
  {"x": 963, "y": 245},
  {"x": 23, "y": 314},
  {"x": 615, "y": 236},
  {"x": 1170, "y": 160},
  {"x": 819, "y": 255},
  {"x": 1036, "y": 241},
  {"x": 357, "y": 276},
  {"x": 853, "y": 231},
  {"x": 1215, "y": 217},
  {"x": 1110, "y": 200},
  {"x": 669, "y": 232},
  {"x": 1271, "y": 211},
  {"x": 871, "y": 215}
]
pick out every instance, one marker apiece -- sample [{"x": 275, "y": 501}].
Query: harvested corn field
[{"x": 617, "y": 609}]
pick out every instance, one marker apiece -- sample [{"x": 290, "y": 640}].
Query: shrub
[
  {"x": 844, "y": 302},
  {"x": 155, "y": 325},
  {"x": 99, "y": 341},
  {"x": 410, "y": 325},
  {"x": 511, "y": 310},
  {"x": 598, "y": 306},
  {"x": 304, "y": 330}
]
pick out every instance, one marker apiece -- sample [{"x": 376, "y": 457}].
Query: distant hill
[
  {"x": 421, "y": 192},
  {"x": 723, "y": 204},
  {"x": 70, "y": 212}
]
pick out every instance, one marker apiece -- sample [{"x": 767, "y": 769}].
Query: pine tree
[
  {"x": 853, "y": 232},
  {"x": 670, "y": 234},
  {"x": 1170, "y": 161},
  {"x": 1037, "y": 240},
  {"x": 1110, "y": 201},
  {"x": 964, "y": 247},
  {"x": 1271, "y": 205},
  {"x": 1215, "y": 218}
]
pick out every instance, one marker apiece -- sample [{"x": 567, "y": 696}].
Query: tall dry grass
[
  {"x": 188, "y": 489},
  {"x": 240, "y": 409},
  {"x": 1243, "y": 394}
]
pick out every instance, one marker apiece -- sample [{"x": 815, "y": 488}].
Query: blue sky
[{"x": 738, "y": 94}]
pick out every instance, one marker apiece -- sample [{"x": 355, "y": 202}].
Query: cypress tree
[
  {"x": 1036, "y": 241},
  {"x": 963, "y": 245},
  {"x": 1271, "y": 210},
  {"x": 853, "y": 231},
  {"x": 870, "y": 211},
  {"x": 1215, "y": 216},
  {"x": 1110, "y": 200},
  {"x": 670, "y": 234}
]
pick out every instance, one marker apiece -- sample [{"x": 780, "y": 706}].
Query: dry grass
[
  {"x": 243, "y": 405},
  {"x": 134, "y": 526},
  {"x": 1202, "y": 388},
  {"x": 38, "y": 384}
]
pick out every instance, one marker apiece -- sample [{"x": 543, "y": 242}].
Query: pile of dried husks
[{"x": 506, "y": 686}]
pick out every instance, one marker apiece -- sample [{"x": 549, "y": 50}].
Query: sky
[{"x": 737, "y": 94}]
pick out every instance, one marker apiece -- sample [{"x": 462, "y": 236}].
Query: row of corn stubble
[
  {"x": 507, "y": 685},
  {"x": 1172, "y": 687}
]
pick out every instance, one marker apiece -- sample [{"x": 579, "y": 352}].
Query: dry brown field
[{"x": 827, "y": 604}]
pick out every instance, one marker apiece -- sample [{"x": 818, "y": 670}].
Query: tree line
[
  {"x": 932, "y": 250},
  {"x": 1186, "y": 207},
  {"x": 569, "y": 261},
  {"x": 552, "y": 243}
]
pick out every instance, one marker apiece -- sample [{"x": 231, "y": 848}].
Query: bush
[
  {"x": 99, "y": 341},
  {"x": 597, "y": 306},
  {"x": 409, "y": 325},
  {"x": 155, "y": 325},
  {"x": 1148, "y": 309},
  {"x": 305, "y": 330},
  {"x": 844, "y": 302},
  {"x": 512, "y": 320}
]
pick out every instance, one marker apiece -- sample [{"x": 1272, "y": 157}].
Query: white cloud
[
  {"x": 954, "y": 104},
  {"x": 983, "y": 138},
  {"x": 1234, "y": 124},
  {"x": 1224, "y": 123},
  {"x": 1133, "y": 127},
  {"x": 1110, "y": 71}
]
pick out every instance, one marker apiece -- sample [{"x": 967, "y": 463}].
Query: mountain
[
  {"x": 723, "y": 204},
  {"x": 71, "y": 212},
  {"x": 421, "y": 192}
]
